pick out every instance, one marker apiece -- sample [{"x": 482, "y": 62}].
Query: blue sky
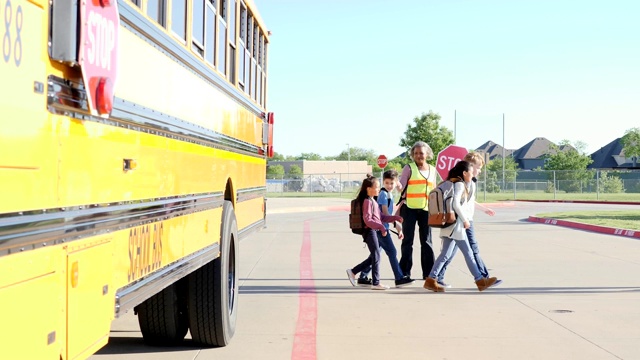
[{"x": 357, "y": 72}]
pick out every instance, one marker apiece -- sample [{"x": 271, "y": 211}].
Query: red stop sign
[
  {"x": 382, "y": 161},
  {"x": 98, "y": 56},
  {"x": 448, "y": 158}
]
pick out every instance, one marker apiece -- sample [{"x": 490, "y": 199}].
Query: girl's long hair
[
  {"x": 457, "y": 171},
  {"x": 368, "y": 182}
]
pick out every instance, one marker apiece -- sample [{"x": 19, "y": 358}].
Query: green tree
[
  {"x": 610, "y": 183},
  {"x": 426, "y": 127},
  {"x": 495, "y": 167},
  {"x": 359, "y": 154},
  {"x": 277, "y": 157},
  {"x": 309, "y": 156},
  {"x": 569, "y": 165},
  {"x": 275, "y": 171},
  {"x": 295, "y": 178},
  {"x": 631, "y": 144},
  {"x": 295, "y": 170}
]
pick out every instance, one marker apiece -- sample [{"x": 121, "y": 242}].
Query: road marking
[{"x": 304, "y": 343}]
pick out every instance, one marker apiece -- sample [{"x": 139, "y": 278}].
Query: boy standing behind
[{"x": 385, "y": 203}]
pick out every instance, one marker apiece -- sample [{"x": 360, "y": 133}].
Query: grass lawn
[{"x": 621, "y": 219}]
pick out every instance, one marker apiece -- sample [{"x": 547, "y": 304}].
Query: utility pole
[
  {"x": 455, "y": 132},
  {"x": 503, "y": 152}
]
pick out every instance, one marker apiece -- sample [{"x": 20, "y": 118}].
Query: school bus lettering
[
  {"x": 7, "y": 44},
  {"x": 145, "y": 250}
]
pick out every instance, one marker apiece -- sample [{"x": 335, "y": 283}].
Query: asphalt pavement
[{"x": 567, "y": 294}]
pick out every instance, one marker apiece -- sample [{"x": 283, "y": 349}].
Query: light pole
[{"x": 503, "y": 152}]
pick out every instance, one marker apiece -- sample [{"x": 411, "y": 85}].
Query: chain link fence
[{"x": 612, "y": 185}]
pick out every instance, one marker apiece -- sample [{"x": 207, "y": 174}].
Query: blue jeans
[
  {"x": 386, "y": 243},
  {"x": 410, "y": 217},
  {"x": 448, "y": 247},
  {"x": 373, "y": 261},
  {"x": 471, "y": 235}
]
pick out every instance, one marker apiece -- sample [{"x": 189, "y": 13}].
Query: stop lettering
[
  {"x": 382, "y": 161},
  {"x": 448, "y": 158},
  {"x": 98, "y": 55}
]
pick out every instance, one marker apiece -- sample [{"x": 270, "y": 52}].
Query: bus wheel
[
  {"x": 163, "y": 317},
  {"x": 213, "y": 289}
]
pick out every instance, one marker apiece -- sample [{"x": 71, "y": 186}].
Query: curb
[
  {"x": 603, "y": 202},
  {"x": 588, "y": 227}
]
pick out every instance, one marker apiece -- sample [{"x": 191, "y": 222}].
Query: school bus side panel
[
  {"x": 89, "y": 295},
  {"x": 32, "y": 304},
  {"x": 28, "y": 157}
]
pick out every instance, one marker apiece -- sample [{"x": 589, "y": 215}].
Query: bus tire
[
  {"x": 213, "y": 289},
  {"x": 163, "y": 317}
]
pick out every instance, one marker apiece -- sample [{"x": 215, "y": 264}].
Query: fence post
[
  {"x": 555, "y": 186},
  {"x": 515, "y": 175},
  {"x": 597, "y": 184},
  {"x": 485, "y": 186}
]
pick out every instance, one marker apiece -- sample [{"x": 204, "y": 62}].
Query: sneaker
[
  {"x": 352, "y": 277},
  {"x": 498, "y": 282},
  {"x": 379, "y": 287},
  {"x": 364, "y": 281},
  {"x": 404, "y": 282},
  {"x": 444, "y": 284}
]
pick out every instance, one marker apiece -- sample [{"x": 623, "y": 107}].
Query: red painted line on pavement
[
  {"x": 339, "y": 208},
  {"x": 304, "y": 343},
  {"x": 588, "y": 227}
]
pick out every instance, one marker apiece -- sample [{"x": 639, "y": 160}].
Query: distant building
[
  {"x": 492, "y": 150},
  {"x": 347, "y": 170},
  {"x": 611, "y": 156},
  {"x": 528, "y": 157}
]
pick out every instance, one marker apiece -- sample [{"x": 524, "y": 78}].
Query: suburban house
[
  {"x": 611, "y": 156},
  {"x": 528, "y": 157}
]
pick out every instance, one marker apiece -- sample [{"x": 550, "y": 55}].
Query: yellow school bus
[{"x": 133, "y": 145}]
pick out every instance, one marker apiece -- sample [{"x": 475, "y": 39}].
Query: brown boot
[
  {"x": 432, "y": 284},
  {"x": 485, "y": 283}
]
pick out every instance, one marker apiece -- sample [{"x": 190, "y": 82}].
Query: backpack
[
  {"x": 440, "y": 205},
  {"x": 356, "y": 221}
]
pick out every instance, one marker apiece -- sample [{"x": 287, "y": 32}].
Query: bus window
[
  {"x": 210, "y": 32},
  {"x": 242, "y": 46},
  {"x": 222, "y": 37},
  {"x": 197, "y": 37},
  {"x": 179, "y": 18},
  {"x": 232, "y": 41},
  {"x": 247, "y": 55},
  {"x": 232, "y": 21},
  {"x": 254, "y": 65},
  {"x": 156, "y": 11},
  {"x": 135, "y": 2}
]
